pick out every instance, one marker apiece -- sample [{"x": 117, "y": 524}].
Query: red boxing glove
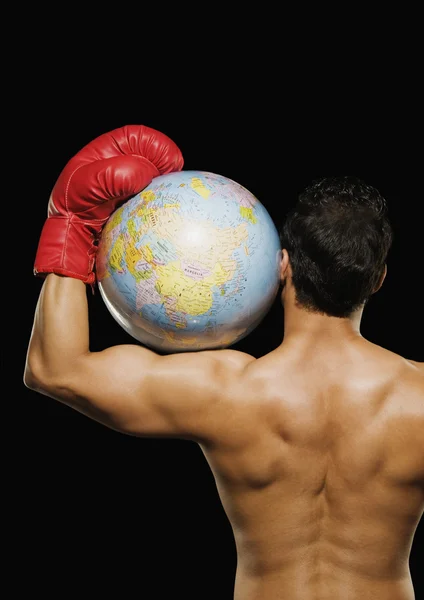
[{"x": 107, "y": 171}]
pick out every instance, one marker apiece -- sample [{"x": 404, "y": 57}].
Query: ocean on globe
[{"x": 190, "y": 263}]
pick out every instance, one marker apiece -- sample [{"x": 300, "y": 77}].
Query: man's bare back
[{"x": 324, "y": 482}]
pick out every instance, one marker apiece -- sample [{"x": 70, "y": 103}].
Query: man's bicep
[
  {"x": 136, "y": 391},
  {"x": 106, "y": 386}
]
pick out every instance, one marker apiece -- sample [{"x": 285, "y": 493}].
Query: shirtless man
[{"x": 317, "y": 448}]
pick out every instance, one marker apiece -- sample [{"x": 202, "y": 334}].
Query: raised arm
[{"x": 127, "y": 387}]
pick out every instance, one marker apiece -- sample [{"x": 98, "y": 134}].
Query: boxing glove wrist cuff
[{"x": 53, "y": 254}]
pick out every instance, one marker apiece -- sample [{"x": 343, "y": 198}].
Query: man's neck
[{"x": 300, "y": 323}]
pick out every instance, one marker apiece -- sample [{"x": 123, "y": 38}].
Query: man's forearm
[{"x": 61, "y": 331}]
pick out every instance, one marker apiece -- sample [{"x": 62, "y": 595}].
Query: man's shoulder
[
  {"x": 407, "y": 377},
  {"x": 417, "y": 365},
  {"x": 229, "y": 362},
  {"x": 234, "y": 357},
  {"x": 414, "y": 379},
  {"x": 394, "y": 363}
]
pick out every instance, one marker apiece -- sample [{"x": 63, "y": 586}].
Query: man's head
[{"x": 335, "y": 243}]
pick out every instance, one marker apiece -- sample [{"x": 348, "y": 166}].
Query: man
[{"x": 317, "y": 448}]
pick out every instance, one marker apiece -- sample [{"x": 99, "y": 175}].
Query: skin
[{"x": 317, "y": 448}]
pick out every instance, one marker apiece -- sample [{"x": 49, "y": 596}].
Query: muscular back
[{"x": 323, "y": 481}]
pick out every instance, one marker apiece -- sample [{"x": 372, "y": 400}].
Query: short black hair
[{"x": 338, "y": 236}]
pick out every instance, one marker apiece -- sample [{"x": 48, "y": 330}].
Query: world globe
[{"x": 190, "y": 263}]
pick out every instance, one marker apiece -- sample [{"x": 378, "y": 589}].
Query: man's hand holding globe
[
  {"x": 190, "y": 261},
  {"x": 106, "y": 172}
]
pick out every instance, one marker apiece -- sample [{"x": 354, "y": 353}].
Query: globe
[{"x": 190, "y": 263}]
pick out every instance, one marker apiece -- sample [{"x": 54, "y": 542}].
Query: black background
[{"x": 93, "y": 511}]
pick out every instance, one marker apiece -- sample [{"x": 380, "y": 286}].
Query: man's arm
[{"x": 128, "y": 388}]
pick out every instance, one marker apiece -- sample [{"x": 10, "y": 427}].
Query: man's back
[{"x": 324, "y": 481}]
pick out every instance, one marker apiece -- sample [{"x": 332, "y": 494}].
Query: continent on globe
[{"x": 190, "y": 263}]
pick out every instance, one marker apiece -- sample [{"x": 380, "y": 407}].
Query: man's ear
[
  {"x": 284, "y": 265},
  {"x": 380, "y": 281}
]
